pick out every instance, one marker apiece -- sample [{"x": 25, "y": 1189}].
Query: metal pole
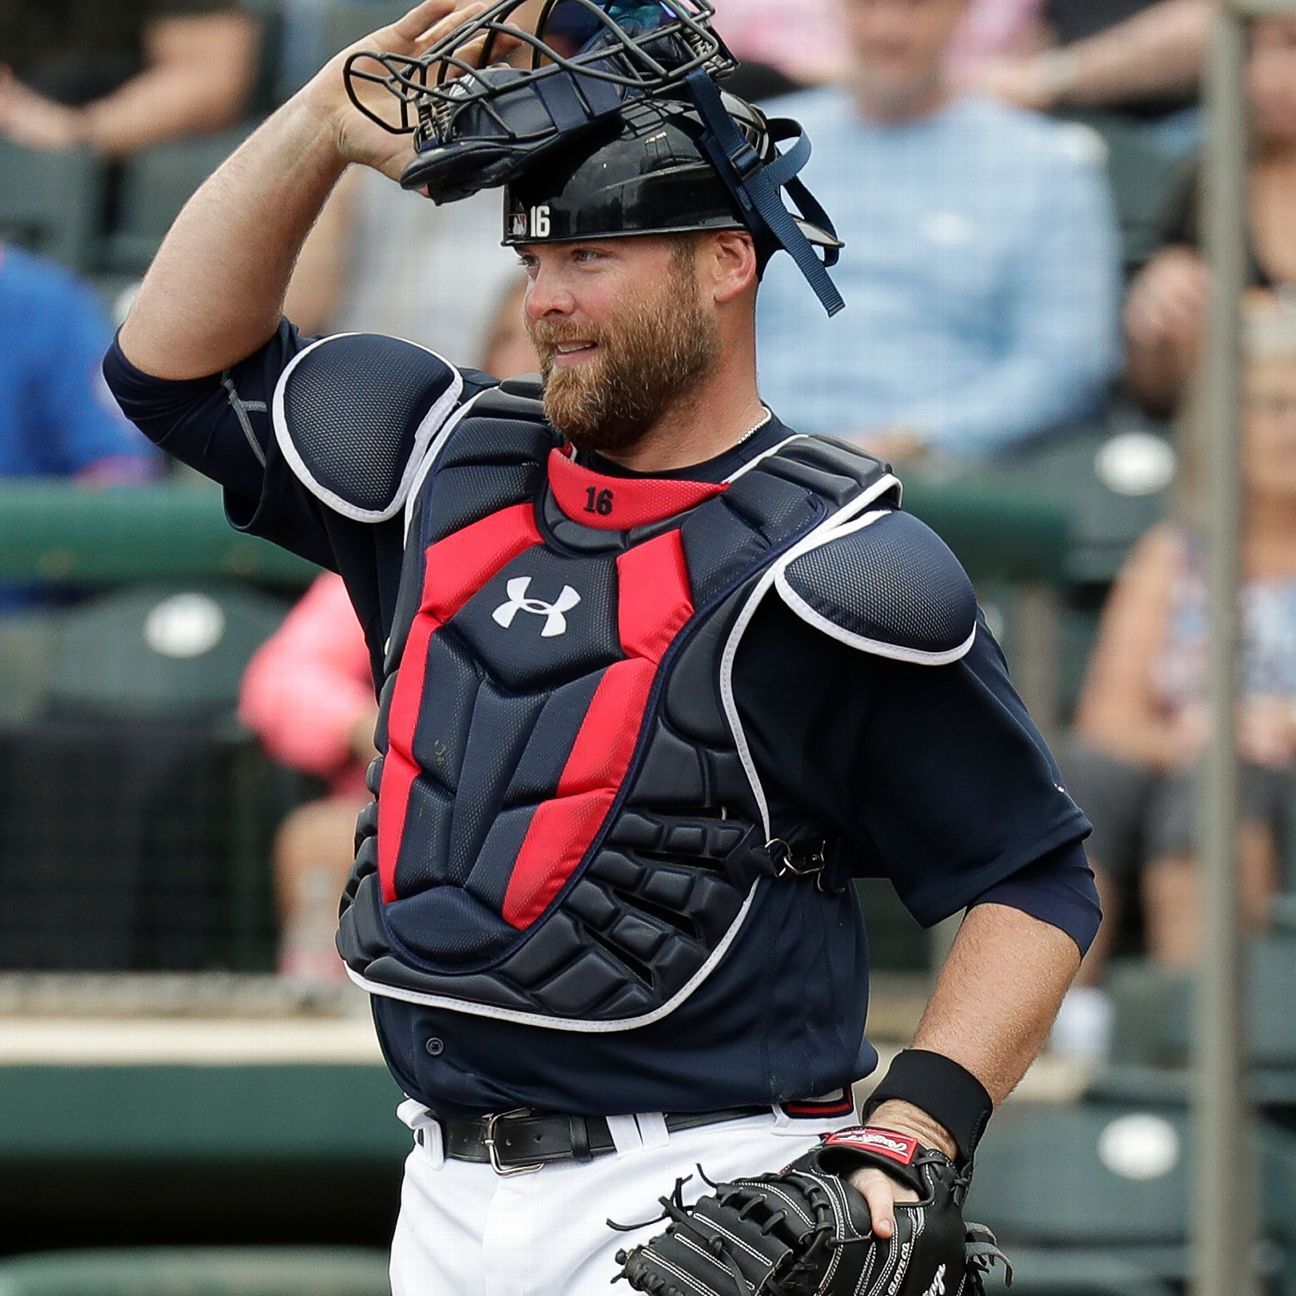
[{"x": 1224, "y": 1175}]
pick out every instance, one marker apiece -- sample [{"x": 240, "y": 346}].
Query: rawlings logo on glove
[{"x": 806, "y": 1232}]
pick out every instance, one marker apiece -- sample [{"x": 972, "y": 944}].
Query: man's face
[
  {"x": 900, "y": 46},
  {"x": 1271, "y": 79},
  {"x": 1269, "y": 442},
  {"x": 621, "y": 330}
]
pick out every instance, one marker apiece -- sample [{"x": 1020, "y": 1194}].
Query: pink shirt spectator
[
  {"x": 993, "y": 29},
  {"x": 806, "y": 41},
  {"x": 809, "y": 42},
  {"x": 308, "y": 686}
]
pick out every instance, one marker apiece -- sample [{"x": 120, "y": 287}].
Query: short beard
[{"x": 651, "y": 357}]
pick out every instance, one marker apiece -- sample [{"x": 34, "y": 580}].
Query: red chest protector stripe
[
  {"x": 455, "y": 568},
  {"x": 655, "y": 602}
]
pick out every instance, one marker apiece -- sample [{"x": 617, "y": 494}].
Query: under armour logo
[{"x": 555, "y": 613}]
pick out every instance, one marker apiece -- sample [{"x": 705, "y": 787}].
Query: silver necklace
[{"x": 751, "y": 431}]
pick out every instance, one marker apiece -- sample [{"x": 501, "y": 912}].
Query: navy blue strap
[
  {"x": 757, "y": 191},
  {"x": 574, "y": 100}
]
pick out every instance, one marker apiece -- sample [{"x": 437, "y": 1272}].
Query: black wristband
[{"x": 947, "y": 1092}]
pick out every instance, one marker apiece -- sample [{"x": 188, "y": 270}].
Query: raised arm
[
  {"x": 215, "y": 291},
  {"x": 1157, "y": 52}
]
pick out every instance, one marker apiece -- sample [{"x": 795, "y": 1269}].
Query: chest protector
[{"x": 569, "y": 830}]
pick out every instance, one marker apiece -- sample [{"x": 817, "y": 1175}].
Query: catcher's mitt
[{"x": 807, "y": 1232}]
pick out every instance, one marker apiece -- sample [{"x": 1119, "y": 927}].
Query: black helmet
[
  {"x": 617, "y": 128},
  {"x": 643, "y": 172}
]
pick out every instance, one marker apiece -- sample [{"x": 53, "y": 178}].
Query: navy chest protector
[{"x": 569, "y": 830}]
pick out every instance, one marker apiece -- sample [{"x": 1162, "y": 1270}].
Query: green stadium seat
[
  {"x": 1284, "y": 914},
  {"x": 1038, "y": 1272},
  {"x": 1101, "y": 474},
  {"x": 1154, "y": 1015},
  {"x": 348, "y": 20},
  {"x": 164, "y": 651},
  {"x": 154, "y": 186},
  {"x": 200, "y": 1272},
  {"x": 150, "y": 809},
  {"x": 1111, "y": 1185},
  {"x": 52, "y": 203},
  {"x": 1144, "y": 178},
  {"x": 26, "y": 649}
]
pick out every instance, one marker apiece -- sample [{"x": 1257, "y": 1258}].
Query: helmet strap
[{"x": 756, "y": 186}]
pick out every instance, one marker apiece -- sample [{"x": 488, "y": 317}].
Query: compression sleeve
[{"x": 1057, "y": 889}]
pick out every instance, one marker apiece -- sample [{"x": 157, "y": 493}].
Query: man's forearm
[
  {"x": 993, "y": 1006},
  {"x": 1158, "y": 51},
  {"x": 158, "y": 105},
  {"x": 216, "y": 287},
  {"x": 998, "y": 994}
]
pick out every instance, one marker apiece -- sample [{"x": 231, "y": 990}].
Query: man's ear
[{"x": 733, "y": 264}]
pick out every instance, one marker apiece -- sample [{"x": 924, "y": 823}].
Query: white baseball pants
[{"x": 466, "y": 1231}]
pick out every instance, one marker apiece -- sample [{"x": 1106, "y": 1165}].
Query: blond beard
[{"x": 649, "y": 358}]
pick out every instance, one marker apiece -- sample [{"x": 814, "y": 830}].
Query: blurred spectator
[
  {"x": 121, "y": 77},
  {"x": 981, "y": 271},
  {"x": 308, "y": 694},
  {"x": 1140, "y": 57},
  {"x": 1165, "y": 311},
  {"x": 809, "y": 42},
  {"x": 805, "y": 41},
  {"x": 1142, "y": 723},
  {"x": 990, "y": 30},
  {"x": 386, "y": 261},
  {"x": 56, "y": 416}
]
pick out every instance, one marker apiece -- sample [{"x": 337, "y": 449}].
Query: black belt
[{"x": 517, "y": 1141}]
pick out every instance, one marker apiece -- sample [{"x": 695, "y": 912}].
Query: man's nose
[{"x": 547, "y": 296}]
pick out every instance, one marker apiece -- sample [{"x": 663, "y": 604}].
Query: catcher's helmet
[
  {"x": 645, "y": 172},
  {"x": 618, "y": 127}
]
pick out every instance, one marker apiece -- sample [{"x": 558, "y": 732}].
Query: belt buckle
[{"x": 488, "y": 1137}]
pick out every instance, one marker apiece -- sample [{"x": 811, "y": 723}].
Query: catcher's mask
[{"x": 617, "y": 127}]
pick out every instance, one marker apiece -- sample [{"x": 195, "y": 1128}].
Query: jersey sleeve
[
  {"x": 223, "y": 426},
  {"x": 936, "y": 777}
]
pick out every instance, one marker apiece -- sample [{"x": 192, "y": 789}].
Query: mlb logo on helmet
[{"x": 534, "y": 223}]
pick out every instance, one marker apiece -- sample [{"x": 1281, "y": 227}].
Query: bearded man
[{"x": 658, "y": 676}]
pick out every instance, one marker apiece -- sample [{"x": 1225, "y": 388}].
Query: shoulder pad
[
  {"x": 355, "y": 413},
  {"x": 885, "y": 584}
]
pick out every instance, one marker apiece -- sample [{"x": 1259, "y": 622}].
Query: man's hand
[
  {"x": 1167, "y": 301},
  {"x": 879, "y": 1189},
  {"x": 1027, "y": 81},
  {"x": 358, "y": 138},
  {"x": 35, "y": 122},
  {"x": 896, "y": 445}
]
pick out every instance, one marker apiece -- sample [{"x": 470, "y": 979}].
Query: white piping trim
[
  {"x": 818, "y": 536},
  {"x": 429, "y": 424},
  {"x": 563, "y": 1024},
  {"x": 424, "y": 465},
  {"x": 878, "y": 647},
  {"x": 765, "y": 454}
]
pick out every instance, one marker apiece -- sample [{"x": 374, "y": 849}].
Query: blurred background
[{"x": 191, "y": 1099}]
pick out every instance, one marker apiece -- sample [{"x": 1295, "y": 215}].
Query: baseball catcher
[{"x": 658, "y": 676}]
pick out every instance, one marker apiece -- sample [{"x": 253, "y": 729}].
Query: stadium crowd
[{"x": 976, "y": 155}]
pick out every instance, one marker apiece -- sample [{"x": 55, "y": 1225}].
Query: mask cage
[{"x": 618, "y": 50}]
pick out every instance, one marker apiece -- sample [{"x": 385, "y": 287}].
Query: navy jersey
[{"x": 936, "y": 777}]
